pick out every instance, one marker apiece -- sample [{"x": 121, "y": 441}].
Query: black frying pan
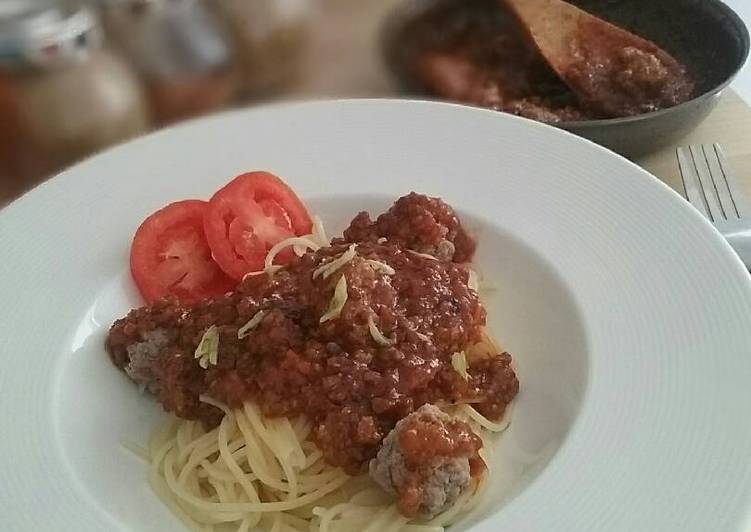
[{"x": 705, "y": 35}]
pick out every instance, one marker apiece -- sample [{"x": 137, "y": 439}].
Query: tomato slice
[
  {"x": 171, "y": 257},
  {"x": 247, "y": 217}
]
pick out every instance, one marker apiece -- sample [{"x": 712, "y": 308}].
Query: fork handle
[{"x": 741, "y": 243}]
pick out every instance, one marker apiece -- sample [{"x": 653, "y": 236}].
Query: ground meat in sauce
[
  {"x": 427, "y": 460},
  {"x": 471, "y": 53},
  {"x": 417, "y": 222},
  {"x": 646, "y": 78},
  {"x": 354, "y": 389}
]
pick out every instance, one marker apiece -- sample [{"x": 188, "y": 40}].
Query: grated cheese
[
  {"x": 423, "y": 337},
  {"x": 277, "y": 248},
  {"x": 472, "y": 282},
  {"x": 319, "y": 233},
  {"x": 246, "y": 329},
  {"x": 381, "y": 267},
  {"x": 377, "y": 335},
  {"x": 337, "y": 301},
  {"x": 207, "y": 351},
  {"x": 423, "y": 255},
  {"x": 328, "y": 269},
  {"x": 459, "y": 362}
]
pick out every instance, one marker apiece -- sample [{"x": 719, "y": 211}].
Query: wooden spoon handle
[
  {"x": 610, "y": 69},
  {"x": 550, "y": 25}
]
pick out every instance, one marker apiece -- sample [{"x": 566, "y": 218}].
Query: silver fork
[{"x": 712, "y": 188}]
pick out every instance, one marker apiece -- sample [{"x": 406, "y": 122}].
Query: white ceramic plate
[{"x": 628, "y": 316}]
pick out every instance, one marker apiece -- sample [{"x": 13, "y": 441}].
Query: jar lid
[
  {"x": 168, "y": 38},
  {"x": 43, "y": 32}
]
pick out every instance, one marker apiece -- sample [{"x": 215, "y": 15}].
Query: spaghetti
[{"x": 257, "y": 473}]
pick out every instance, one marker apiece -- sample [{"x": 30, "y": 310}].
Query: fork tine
[
  {"x": 719, "y": 182},
  {"x": 740, "y": 203},
  {"x": 691, "y": 183},
  {"x": 709, "y": 191}
]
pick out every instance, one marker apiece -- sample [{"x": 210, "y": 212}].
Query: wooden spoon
[{"x": 610, "y": 69}]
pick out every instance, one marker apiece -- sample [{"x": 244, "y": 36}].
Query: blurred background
[{"x": 77, "y": 76}]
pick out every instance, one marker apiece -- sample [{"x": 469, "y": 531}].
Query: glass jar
[
  {"x": 269, "y": 39},
  {"x": 62, "y": 96},
  {"x": 180, "y": 50}
]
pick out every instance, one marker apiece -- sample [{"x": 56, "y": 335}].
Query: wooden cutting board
[{"x": 729, "y": 125}]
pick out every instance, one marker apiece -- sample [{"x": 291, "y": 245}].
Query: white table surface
[{"x": 743, "y": 84}]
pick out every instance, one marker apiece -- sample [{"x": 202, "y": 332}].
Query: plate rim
[{"x": 68, "y": 176}]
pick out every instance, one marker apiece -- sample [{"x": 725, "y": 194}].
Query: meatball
[
  {"x": 427, "y": 460},
  {"x": 144, "y": 357}
]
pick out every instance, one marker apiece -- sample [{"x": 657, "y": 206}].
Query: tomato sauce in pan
[{"x": 478, "y": 56}]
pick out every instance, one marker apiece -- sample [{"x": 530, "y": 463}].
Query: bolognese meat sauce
[
  {"x": 354, "y": 372},
  {"x": 417, "y": 222}
]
